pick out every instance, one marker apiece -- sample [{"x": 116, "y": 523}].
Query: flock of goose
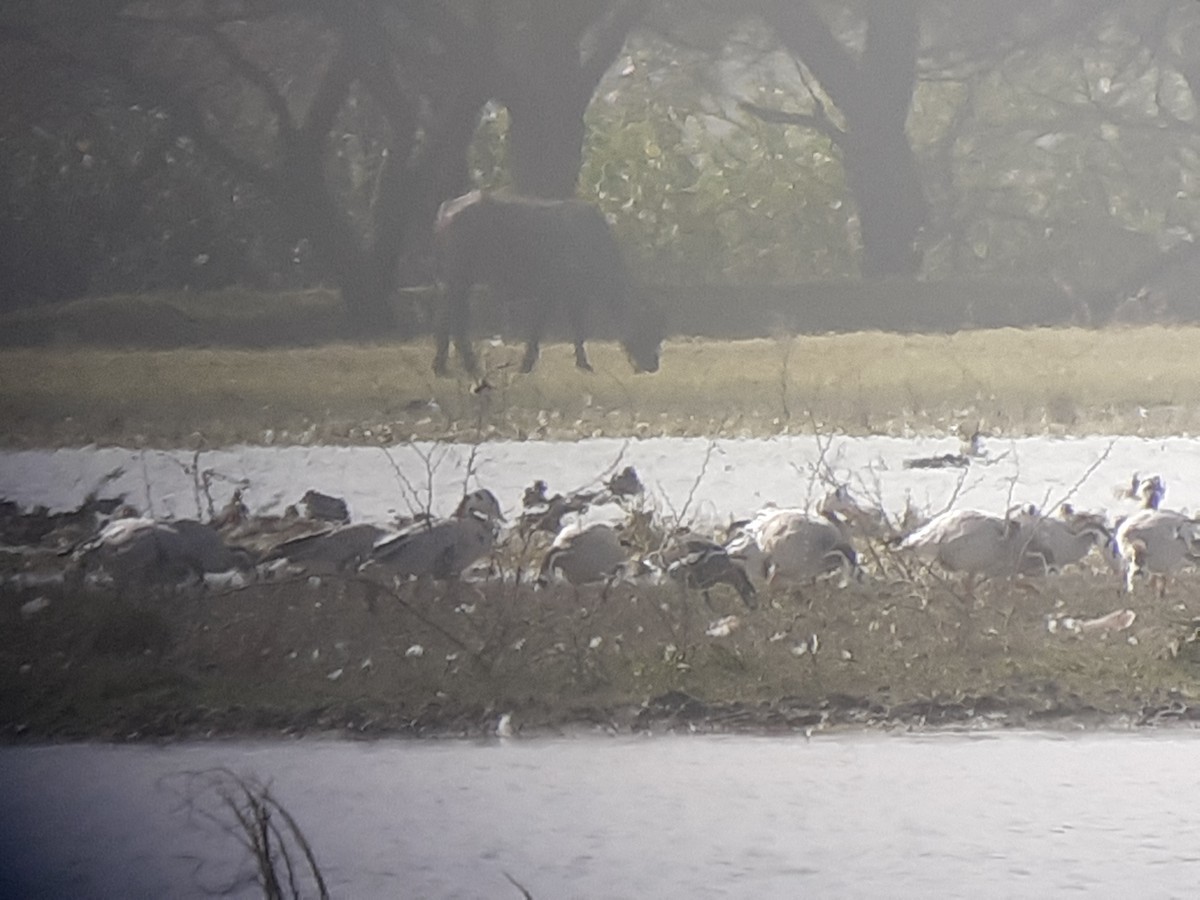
[
  {"x": 795, "y": 546},
  {"x": 776, "y": 546}
]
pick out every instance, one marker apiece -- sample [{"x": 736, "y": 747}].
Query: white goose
[{"x": 1155, "y": 542}]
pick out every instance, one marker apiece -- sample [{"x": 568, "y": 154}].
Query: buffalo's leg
[
  {"x": 532, "y": 352},
  {"x": 581, "y": 357},
  {"x": 578, "y": 320},
  {"x": 442, "y": 334},
  {"x": 533, "y": 342},
  {"x": 462, "y": 342},
  {"x": 443, "y": 349},
  {"x": 454, "y": 321},
  {"x": 533, "y": 349}
]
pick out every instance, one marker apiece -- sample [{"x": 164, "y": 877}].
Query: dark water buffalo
[{"x": 544, "y": 253}]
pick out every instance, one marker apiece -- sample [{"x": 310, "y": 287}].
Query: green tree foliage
[
  {"x": 1072, "y": 151},
  {"x": 147, "y": 145}
]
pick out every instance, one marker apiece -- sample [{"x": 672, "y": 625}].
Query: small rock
[
  {"x": 34, "y": 606},
  {"x": 723, "y": 627},
  {"x": 1118, "y": 620}
]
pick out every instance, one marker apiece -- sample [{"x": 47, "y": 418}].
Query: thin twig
[
  {"x": 708, "y": 452},
  {"x": 520, "y": 887}
]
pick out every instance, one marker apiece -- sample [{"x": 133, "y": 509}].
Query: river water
[
  {"x": 840, "y": 815},
  {"x": 713, "y": 479}
]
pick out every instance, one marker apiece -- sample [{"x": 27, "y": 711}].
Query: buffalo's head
[{"x": 644, "y": 333}]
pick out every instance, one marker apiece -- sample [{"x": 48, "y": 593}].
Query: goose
[
  {"x": 260, "y": 533},
  {"x": 1067, "y": 537},
  {"x": 1152, "y": 541},
  {"x": 141, "y": 550},
  {"x": 442, "y": 549},
  {"x": 970, "y": 446},
  {"x": 798, "y": 548},
  {"x": 64, "y": 530},
  {"x": 696, "y": 562},
  {"x": 1148, "y": 491},
  {"x": 625, "y": 483},
  {"x": 979, "y": 545},
  {"x": 583, "y": 554},
  {"x": 334, "y": 549},
  {"x": 232, "y": 514},
  {"x": 323, "y": 506},
  {"x": 537, "y": 494},
  {"x": 867, "y": 521},
  {"x": 793, "y": 545},
  {"x": 541, "y": 512},
  {"x": 1156, "y": 542}
]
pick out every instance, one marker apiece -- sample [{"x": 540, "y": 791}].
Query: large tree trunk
[
  {"x": 545, "y": 141},
  {"x": 426, "y": 161},
  {"x": 550, "y": 64},
  {"x": 341, "y": 256},
  {"x": 882, "y": 174},
  {"x": 874, "y": 94}
]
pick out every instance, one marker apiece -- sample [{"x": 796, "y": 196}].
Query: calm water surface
[
  {"x": 858, "y": 815},
  {"x": 722, "y": 478}
]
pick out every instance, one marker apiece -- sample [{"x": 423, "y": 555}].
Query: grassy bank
[
  {"x": 293, "y": 658},
  {"x": 1128, "y": 380}
]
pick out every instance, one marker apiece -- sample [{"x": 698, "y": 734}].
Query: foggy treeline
[{"x": 289, "y": 143}]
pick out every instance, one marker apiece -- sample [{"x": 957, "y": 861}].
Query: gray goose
[
  {"x": 1067, "y": 537},
  {"x": 138, "y": 551},
  {"x": 1154, "y": 542},
  {"x": 979, "y": 545},
  {"x": 442, "y": 549},
  {"x": 698, "y": 563},
  {"x": 793, "y": 545},
  {"x": 583, "y": 554}
]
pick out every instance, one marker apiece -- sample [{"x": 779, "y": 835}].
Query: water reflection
[{"x": 845, "y": 815}]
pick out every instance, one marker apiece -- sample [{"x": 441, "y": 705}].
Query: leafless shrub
[
  {"x": 651, "y": 531},
  {"x": 202, "y": 479},
  {"x": 283, "y": 861},
  {"x": 419, "y": 499}
]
